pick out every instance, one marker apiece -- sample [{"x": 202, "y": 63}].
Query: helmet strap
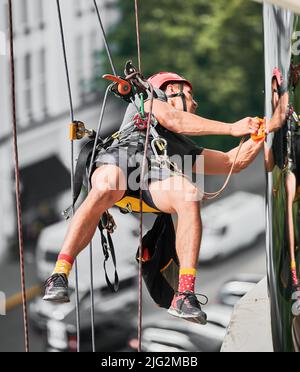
[{"x": 182, "y": 95}]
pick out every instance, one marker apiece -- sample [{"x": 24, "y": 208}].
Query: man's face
[{"x": 177, "y": 103}]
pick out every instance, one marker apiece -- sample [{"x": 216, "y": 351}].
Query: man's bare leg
[
  {"x": 291, "y": 186},
  {"x": 101, "y": 197},
  {"x": 178, "y": 195},
  {"x": 177, "y": 200},
  {"x": 108, "y": 187}
]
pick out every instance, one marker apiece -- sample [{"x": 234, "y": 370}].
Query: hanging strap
[
  {"x": 108, "y": 246},
  {"x": 80, "y": 172}
]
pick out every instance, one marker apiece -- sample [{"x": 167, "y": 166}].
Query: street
[{"x": 209, "y": 280}]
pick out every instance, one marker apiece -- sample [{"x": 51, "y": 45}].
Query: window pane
[
  {"x": 27, "y": 67},
  {"x": 24, "y": 11}
]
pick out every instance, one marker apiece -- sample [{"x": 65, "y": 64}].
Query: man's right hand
[{"x": 245, "y": 126}]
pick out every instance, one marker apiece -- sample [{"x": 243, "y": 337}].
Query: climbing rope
[
  {"x": 144, "y": 157},
  {"x": 91, "y": 244},
  {"x": 214, "y": 195},
  {"x": 137, "y": 23},
  {"x": 105, "y": 39},
  {"x": 72, "y": 162},
  {"x": 17, "y": 175},
  {"x": 143, "y": 171}
]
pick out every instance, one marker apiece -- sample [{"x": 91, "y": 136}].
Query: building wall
[{"x": 42, "y": 100}]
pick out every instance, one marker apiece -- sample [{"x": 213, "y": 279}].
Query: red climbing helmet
[{"x": 158, "y": 80}]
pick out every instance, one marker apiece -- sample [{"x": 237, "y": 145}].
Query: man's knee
[{"x": 108, "y": 183}]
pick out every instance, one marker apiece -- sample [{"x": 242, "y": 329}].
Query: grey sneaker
[
  {"x": 56, "y": 289},
  {"x": 185, "y": 305}
]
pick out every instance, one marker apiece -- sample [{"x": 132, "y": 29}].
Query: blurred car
[
  {"x": 236, "y": 288},
  {"x": 109, "y": 307},
  {"x": 175, "y": 335},
  {"x": 113, "y": 327},
  {"x": 231, "y": 224}
]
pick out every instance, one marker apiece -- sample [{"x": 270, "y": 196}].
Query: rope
[
  {"x": 144, "y": 163},
  {"x": 137, "y": 23},
  {"x": 91, "y": 244},
  {"x": 214, "y": 195},
  {"x": 72, "y": 164},
  {"x": 17, "y": 176},
  {"x": 105, "y": 39}
]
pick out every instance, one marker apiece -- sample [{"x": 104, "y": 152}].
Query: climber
[{"x": 174, "y": 108}]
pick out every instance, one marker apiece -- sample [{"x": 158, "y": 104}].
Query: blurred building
[{"x": 42, "y": 104}]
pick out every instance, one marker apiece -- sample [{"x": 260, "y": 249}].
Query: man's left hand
[{"x": 245, "y": 126}]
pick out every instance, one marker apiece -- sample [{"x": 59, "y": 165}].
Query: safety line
[
  {"x": 143, "y": 171},
  {"x": 17, "y": 175},
  {"x": 72, "y": 163},
  {"x": 89, "y": 189},
  {"x": 138, "y": 38},
  {"x": 105, "y": 39},
  {"x": 214, "y": 195}
]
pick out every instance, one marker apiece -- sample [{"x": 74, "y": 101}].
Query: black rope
[
  {"x": 72, "y": 164},
  {"x": 17, "y": 175},
  {"x": 105, "y": 39}
]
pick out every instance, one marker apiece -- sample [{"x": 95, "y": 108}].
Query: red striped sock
[{"x": 66, "y": 257}]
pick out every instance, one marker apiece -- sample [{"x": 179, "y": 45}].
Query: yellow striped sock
[
  {"x": 62, "y": 267},
  {"x": 293, "y": 265}
]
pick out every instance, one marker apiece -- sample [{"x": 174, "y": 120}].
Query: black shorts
[{"x": 118, "y": 156}]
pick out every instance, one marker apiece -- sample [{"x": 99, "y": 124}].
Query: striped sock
[
  {"x": 63, "y": 265},
  {"x": 187, "y": 279}
]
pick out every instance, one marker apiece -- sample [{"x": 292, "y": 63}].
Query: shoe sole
[
  {"x": 198, "y": 320},
  {"x": 56, "y": 299}
]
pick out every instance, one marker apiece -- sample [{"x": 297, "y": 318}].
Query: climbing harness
[{"x": 17, "y": 175}]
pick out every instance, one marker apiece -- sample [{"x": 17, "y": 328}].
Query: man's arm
[
  {"x": 193, "y": 125},
  {"x": 218, "y": 162},
  {"x": 279, "y": 116}
]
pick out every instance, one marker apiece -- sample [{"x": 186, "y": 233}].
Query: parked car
[
  {"x": 174, "y": 335},
  {"x": 112, "y": 328},
  {"x": 114, "y": 309},
  {"x": 236, "y": 288},
  {"x": 231, "y": 224}
]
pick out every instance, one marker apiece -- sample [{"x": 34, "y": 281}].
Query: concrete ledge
[{"x": 250, "y": 326}]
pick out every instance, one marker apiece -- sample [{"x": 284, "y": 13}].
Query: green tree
[{"x": 218, "y": 45}]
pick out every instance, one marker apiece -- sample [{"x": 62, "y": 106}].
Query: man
[{"x": 174, "y": 108}]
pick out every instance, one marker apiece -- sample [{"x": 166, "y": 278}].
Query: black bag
[{"x": 160, "y": 266}]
